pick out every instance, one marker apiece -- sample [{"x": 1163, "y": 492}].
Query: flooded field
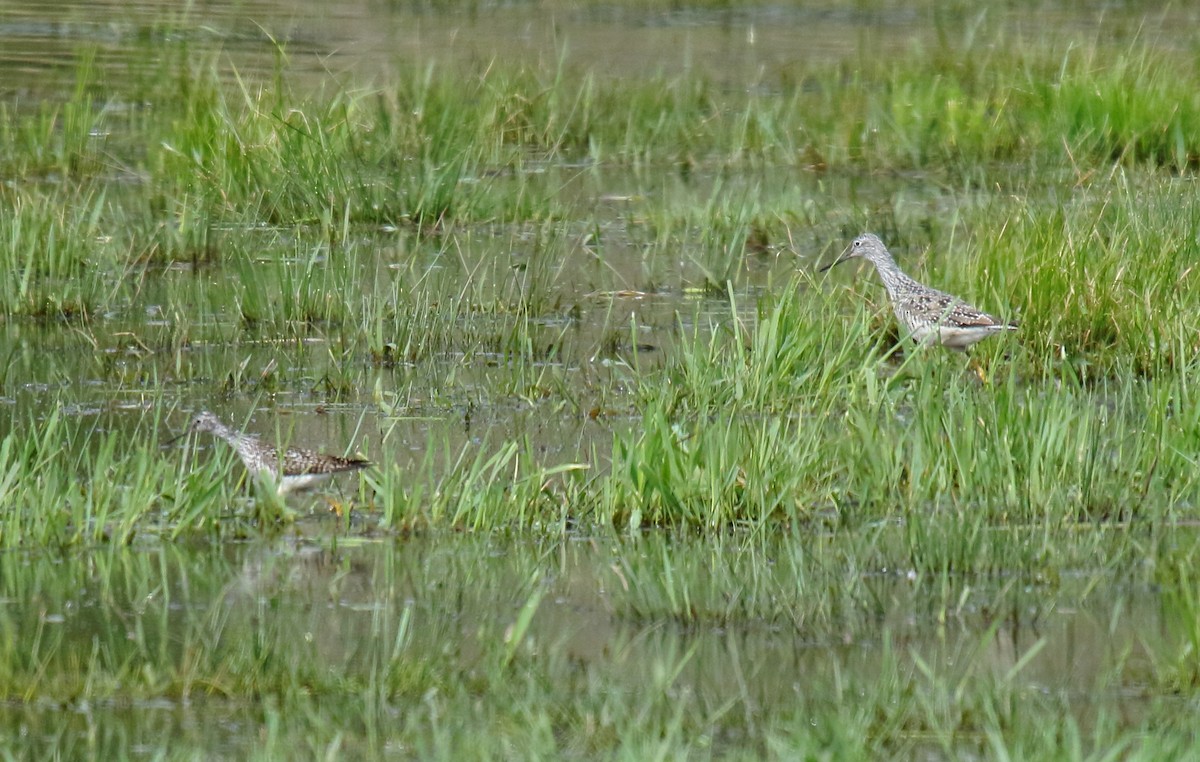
[
  {"x": 414, "y": 623},
  {"x": 645, "y": 484}
]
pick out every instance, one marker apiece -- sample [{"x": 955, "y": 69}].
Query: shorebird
[
  {"x": 930, "y": 316},
  {"x": 295, "y": 470}
]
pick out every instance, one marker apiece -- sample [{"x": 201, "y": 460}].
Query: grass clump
[{"x": 55, "y": 257}]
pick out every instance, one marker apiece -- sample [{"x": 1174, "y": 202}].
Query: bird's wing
[
  {"x": 297, "y": 461},
  {"x": 954, "y": 311}
]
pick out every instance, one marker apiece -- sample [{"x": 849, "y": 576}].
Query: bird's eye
[{"x": 858, "y": 242}]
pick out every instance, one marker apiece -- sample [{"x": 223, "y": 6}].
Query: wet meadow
[{"x": 646, "y": 485}]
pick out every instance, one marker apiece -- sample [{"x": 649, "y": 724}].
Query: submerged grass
[{"x": 247, "y": 633}]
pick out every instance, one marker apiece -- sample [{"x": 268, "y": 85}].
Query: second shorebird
[
  {"x": 928, "y": 315},
  {"x": 295, "y": 470}
]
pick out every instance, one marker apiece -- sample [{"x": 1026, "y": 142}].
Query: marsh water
[
  {"x": 349, "y": 601},
  {"x": 449, "y": 600}
]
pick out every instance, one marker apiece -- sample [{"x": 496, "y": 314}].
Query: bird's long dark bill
[
  {"x": 173, "y": 440},
  {"x": 837, "y": 261}
]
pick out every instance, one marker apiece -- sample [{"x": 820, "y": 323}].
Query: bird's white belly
[
  {"x": 293, "y": 482},
  {"x": 948, "y": 335}
]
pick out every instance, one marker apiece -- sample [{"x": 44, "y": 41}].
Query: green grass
[
  {"x": 248, "y": 634},
  {"x": 221, "y": 163},
  {"x": 576, "y": 322}
]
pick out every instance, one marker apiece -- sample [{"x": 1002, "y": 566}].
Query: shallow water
[
  {"x": 361, "y": 41},
  {"x": 446, "y": 600}
]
